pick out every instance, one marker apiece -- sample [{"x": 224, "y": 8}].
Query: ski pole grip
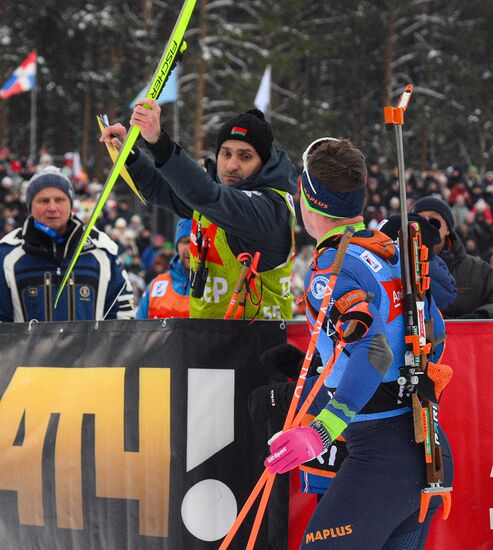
[{"x": 242, "y": 277}]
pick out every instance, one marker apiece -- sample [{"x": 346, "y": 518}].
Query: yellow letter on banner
[{"x": 39, "y": 392}]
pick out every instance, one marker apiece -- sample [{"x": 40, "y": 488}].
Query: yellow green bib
[{"x": 224, "y": 269}]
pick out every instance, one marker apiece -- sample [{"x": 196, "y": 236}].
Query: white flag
[
  {"x": 262, "y": 99},
  {"x": 76, "y": 166}
]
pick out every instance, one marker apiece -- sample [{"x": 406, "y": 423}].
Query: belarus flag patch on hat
[{"x": 236, "y": 130}]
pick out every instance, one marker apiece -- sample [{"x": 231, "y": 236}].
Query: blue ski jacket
[{"x": 32, "y": 265}]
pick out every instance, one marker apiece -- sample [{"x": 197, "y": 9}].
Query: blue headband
[{"x": 332, "y": 203}]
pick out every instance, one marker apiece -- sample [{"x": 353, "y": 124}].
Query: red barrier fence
[{"x": 466, "y": 413}]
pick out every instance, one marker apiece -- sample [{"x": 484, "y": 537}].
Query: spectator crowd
[{"x": 146, "y": 255}]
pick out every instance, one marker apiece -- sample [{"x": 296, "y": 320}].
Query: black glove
[
  {"x": 271, "y": 400},
  {"x": 430, "y": 229},
  {"x": 285, "y": 358}
]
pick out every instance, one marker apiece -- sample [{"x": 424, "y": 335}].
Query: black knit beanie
[
  {"x": 436, "y": 205},
  {"x": 251, "y": 127}
]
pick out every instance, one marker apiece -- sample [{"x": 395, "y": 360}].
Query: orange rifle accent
[{"x": 395, "y": 115}]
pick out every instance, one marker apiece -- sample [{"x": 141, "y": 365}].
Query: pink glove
[{"x": 292, "y": 448}]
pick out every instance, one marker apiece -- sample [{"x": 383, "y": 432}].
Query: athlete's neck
[{"x": 322, "y": 225}]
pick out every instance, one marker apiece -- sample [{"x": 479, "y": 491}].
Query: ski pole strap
[
  {"x": 252, "y": 277},
  {"x": 251, "y": 286}
]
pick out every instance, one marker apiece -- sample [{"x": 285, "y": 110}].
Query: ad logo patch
[
  {"x": 159, "y": 289},
  {"x": 371, "y": 261},
  {"x": 393, "y": 288}
]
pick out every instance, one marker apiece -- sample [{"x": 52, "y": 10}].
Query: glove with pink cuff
[{"x": 293, "y": 447}]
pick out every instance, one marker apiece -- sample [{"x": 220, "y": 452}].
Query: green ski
[{"x": 175, "y": 47}]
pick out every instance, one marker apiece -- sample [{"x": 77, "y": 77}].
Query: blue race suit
[{"x": 373, "y": 502}]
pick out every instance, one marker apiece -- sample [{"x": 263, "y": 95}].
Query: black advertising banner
[{"x": 131, "y": 434}]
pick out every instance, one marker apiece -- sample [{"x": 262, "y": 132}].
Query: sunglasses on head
[{"x": 306, "y": 154}]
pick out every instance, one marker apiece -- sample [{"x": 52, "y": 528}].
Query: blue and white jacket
[{"x": 32, "y": 266}]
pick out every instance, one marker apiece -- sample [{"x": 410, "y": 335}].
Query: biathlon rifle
[
  {"x": 173, "y": 51},
  {"x": 416, "y": 282}
]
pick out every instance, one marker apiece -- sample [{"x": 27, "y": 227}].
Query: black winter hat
[
  {"x": 436, "y": 205},
  {"x": 251, "y": 127},
  {"x": 51, "y": 176}
]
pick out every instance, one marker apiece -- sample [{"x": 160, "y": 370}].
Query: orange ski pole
[
  {"x": 297, "y": 422},
  {"x": 336, "y": 268},
  {"x": 238, "y": 286},
  {"x": 259, "y": 516},
  {"x": 249, "y": 267}
]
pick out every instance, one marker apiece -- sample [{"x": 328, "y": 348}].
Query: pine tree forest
[{"x": 335, "y": 64}]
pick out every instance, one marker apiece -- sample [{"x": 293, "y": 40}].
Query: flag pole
[
  {"x": 32, "y": 141},
  {"x": 269, "y": 105}
]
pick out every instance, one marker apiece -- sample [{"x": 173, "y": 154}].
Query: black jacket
[
  {"x": 474, "y": 280},
  {"x": 253, "y": 215}
]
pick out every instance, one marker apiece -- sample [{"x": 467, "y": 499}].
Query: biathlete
[{"x": 373, "y": 502}]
